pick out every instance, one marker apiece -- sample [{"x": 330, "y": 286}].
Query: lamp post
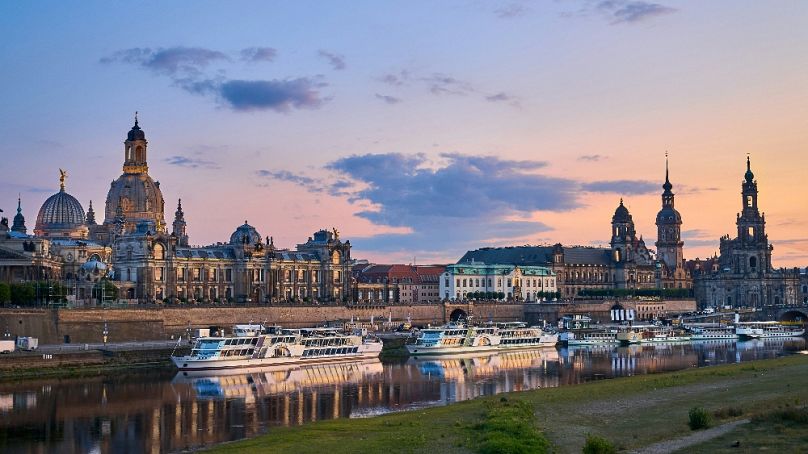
[{"x": 105, "y": 332}]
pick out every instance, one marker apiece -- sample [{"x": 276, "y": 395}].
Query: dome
[
  {"x": 621, "y": 214},
  {"x": 136, "y": 133},
  {"x": 61, "y": 215},
  {"x": 668, "y": 215},
  {"x": 245, "y": 234},
  {"x": 94, "y": 265},
  {"x": 139, "y": 198}
]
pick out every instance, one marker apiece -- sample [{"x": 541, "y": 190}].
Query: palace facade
[{"x": 134, "y": 249}]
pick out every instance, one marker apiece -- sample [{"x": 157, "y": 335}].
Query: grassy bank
[{"x": 629, "y": 412}]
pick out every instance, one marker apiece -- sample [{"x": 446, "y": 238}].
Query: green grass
[
  {"x": 629, "y": 412},
  {"x": 784, "y": 430}
]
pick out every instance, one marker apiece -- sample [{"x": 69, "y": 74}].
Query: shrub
[
  {"x": 728, "y": 412},
  {"x": 598, "y": 445},
  {"x": 699, "y": 418}
]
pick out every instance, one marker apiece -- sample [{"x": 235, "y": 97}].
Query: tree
[
  {"x": 5, "y": 293},
  {"x": 23, "y": 294}
]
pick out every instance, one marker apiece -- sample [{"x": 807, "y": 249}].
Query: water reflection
[{"x": 158, "y": 411}]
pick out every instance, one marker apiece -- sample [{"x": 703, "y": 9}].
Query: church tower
[
  {"x": 669, "y": 228},
  {"x": 754, "y": 253},
  {"x": 135, "y": 150},
  {"x": 19, "y": 219},
  {"x": 623, "y": 234},
  {"x": 179, "y": 225}
]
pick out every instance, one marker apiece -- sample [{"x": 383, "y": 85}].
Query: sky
[{"x": 418, "y": 129}]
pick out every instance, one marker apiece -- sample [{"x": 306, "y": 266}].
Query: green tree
[
  {"x": 5, "y": 293},
  {"x": 23, "y": 294}
]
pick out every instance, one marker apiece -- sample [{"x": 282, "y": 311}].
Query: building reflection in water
[{"x": 158, "y": 411}]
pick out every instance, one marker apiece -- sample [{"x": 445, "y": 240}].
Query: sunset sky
[{"x": 418, "y": 129}]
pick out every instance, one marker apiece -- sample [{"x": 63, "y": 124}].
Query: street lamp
[{"x": 105, "y": 332}]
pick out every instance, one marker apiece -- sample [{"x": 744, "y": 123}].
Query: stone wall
[{"x": 86, "y": 325}]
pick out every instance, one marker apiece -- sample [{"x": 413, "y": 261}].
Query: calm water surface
[{"x": 165, "y": 411}]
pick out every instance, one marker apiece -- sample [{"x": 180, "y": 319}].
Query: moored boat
[
  {"x": 277, "y": 346},
  {"x": 712, "y": 332},
  {"x": 458, "y": 338},
  {"x": 756, "y": 330},
  {"x": 650, "y": 334}
]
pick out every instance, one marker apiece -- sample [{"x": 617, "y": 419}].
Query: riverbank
[
  {"x": 82, "y": 363},
  {"x": 631, "y": 413}
]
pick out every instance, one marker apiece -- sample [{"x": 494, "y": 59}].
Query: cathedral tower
[
  {"x": 669, "y": 228},
  {"x": 19, "y": 219},
  {"x": 134, "y": 193},
  {"x": 753, "y": 254}
]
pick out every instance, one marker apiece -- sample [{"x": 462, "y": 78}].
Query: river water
[{"x": 165, "y": 411}]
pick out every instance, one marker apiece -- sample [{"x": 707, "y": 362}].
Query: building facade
[
  {"x": 497, "y": 281},
  {"x": 134, "y": 250},
  {"x": 743, "y": 275},
  {"x": 626, "y": 264},
  {"x": 396, "y": 284}
]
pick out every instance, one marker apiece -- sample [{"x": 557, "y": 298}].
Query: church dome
[
  {"x": 668, "y": 215},
  {"x": 245, "y": 234},
  {"x": 61, "y": 216},
  {"x": 139, "y": 198},
  {"x": 136, "y": 133},
  {"x": 621, "y": 214}
]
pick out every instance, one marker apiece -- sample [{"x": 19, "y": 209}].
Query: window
[
  {"x": 159, "y": 252},
  {"x": 212, "y": 275},
  {"x": 228, "y": 275},
  {"x": 458, "y": 283},
  {"x": 751, "y": 232},
  {"x": 749, "y": 201},
  {"x": 181, "y": 274},
  {"x": 197, "y": 274},
  {"x": 753, "y": 262},
  {"x": 158, "y": 274}
]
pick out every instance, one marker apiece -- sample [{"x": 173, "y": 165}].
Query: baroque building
[
  {"x": 743, "y": 275},
  {"x": 134, "y": 250},
  {"x": 626, "y": 264},
  {"x": 511, "y": 282}
]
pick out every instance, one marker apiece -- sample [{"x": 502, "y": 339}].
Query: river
[{"x": 164, "y": 411}]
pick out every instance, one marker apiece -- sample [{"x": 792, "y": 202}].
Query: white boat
[
  {"x": 457, "y": 338},
  {"x": 756, "y": 330},
  {"x": 651, "y": 334},
  {"x": 712, "y": 332},
  {"x": 277, "y": 346},
  {"x": 590, "y": 338}
]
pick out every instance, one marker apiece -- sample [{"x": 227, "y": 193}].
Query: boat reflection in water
[
  {"x": 164, "y": 411},
  {"x": 466, "y": 376},
  {"x": 254, "y": 383}
]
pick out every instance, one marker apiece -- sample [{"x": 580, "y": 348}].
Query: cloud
[
  {"x": 592, "y": 157},
  {"x": 285, "y": 175},
  {"x": 336, "y": 61},
  {"x": 629, "y": 187},
  {"x": 457, "y": 201},
  {"x": 278, "y": 95},
  {"x": 388, "y": 99},
  {"x": 259, "y": 54},
  {"x": 442, "y": 84},
  {"x": 503, "y": 97},
  {"x": 628, "y": 12},
  {"x": 511, "y": 10},
  {"x": 395, "y": 79},
  {"x": 168, "y": 61},
  {"x": 190, "y": 162}
]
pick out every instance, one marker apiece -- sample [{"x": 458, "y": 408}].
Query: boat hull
[{"x": 188, "y": 363}]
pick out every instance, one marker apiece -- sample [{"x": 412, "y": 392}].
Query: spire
[
  {"x": 19, "y": 219},
  {"x": 667, "y": 186},
  {"x": 750, "y": 177},
  {"x": 91, "y": 214},
  {"x": 136, "y": 119},
  {"x": 179, "y": 225}
]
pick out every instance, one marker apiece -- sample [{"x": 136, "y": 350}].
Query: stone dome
[
  {"x": 668, "y": 215},
  {"x": 136, "y": 133},
  {"x": 245, "y": 234},
  {"x": 61, "y": 216},
  {"x": 139, "y": 198},
  {"x": 621, "y": 214}
]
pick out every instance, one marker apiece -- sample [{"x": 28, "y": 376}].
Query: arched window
[
  {"x": 139, "y": 155},
  {"x": 159, "y": 251},
  {"x": 753, "y": 262}
]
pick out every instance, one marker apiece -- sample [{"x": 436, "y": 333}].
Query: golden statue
[
  {"x": 62, "y": 176},
  {"x": 335, "y": 232}
]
